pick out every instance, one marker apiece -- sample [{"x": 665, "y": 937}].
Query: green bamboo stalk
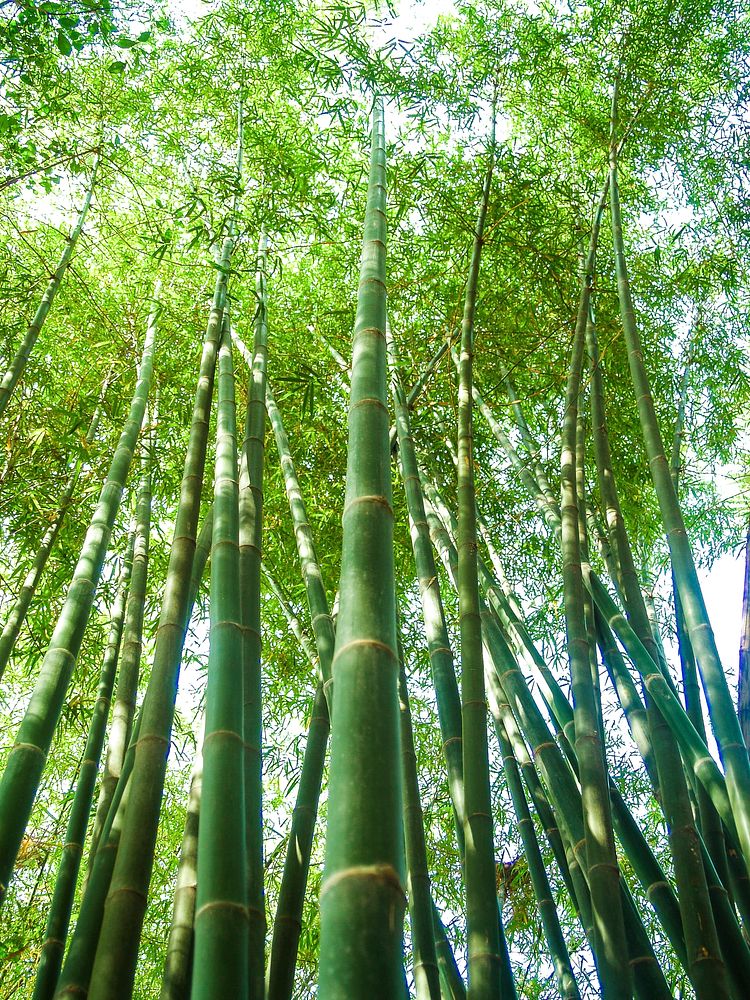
[
  {"x": 76, "y": 973},
  {"x": 130, "y": 658},
  {"x": 743, "y": 691},
  {"x": 58, "y": 916},
  {"x": 438, "y": 644},
  {"x": 288, "y": 919},
  {"x": 178, "y": 960},
  {"x": 702, "y": 946},
  {"x": 721, "y": 709},
  {"x": 362, "y": 899},
  {"x": 556, "y": 946},
  {"x": 17, "y": 616},
  {"x": 601, "y": 859},
  {"x": 117, "y": 951},
  {"x": 18, "y": 364},
  {"x": 220, "y": 960},
  {"x": 251, "y": 539},
  {"x": 559, "y": 779},
  {"x": 659, "y": 687},
  {"x": 425, "y": 966},
  {"x": 479, "y": 859},
  {"x": 26, "y": 761},
  {"x": 287, "y": 924},
  {"x": 320, "y": 616},
  {"x": 451, "y": 984}
]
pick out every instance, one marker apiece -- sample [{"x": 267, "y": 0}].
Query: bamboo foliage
[
  {"x": 17, "y": 616},
  {"x": 18, "y": 365}
]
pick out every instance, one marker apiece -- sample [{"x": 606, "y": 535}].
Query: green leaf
[
  {"x": 116, "y": 67},
  {"x": 125, "y": 43},
  {"x": 63, "y": 43}
]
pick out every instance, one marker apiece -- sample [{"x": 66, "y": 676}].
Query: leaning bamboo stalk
[
  {"x": 130, "y": 658},
  {"x": 660, "y": 688},
  {"x": 438, "y": 643},
  {"x": 724, "y": 720},
  {"x": 18, "y": 364},
  {"x": 220, "y": 960},
  {"x": 58, "y": 916},
  {"x": 287, "y": 923},
  {"x": 320, "y": 616},
  {"x": 76, "y": 973},
  {"x": 26, "y": 761},
  {"x": 362, "y": 899},
  {"x": 702, "y": 946},
  {"x": 251, "y": 540},
  {"x": 179, "y": 951},
  {"x": 556, "y": 946},
  {"x": 557, "y": 775},
  {"x": 426, "y": 975},
  {"x": 117, "y": 951},
  {"x": 18, "y": 613},
  {"x": 288, "y": 920}
]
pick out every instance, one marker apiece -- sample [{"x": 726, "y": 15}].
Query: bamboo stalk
[
  {"x": 117, "y": 951},
  {"x": 438, "y": 644},
  {"x": 479, "y": 859},
  {"x": 426, "y": 975},
  {"x": 556, "y": 946},
  {"x": 27, "y": 759},
  {"x": 721, "y": 709},
  {"x": 58, "y": 915},
  {"x": 76, "y": 973},
  {"x": 179, "y": 953},
  {"x": 18, "y": 364},
  {"x": 362, "y": 899},
  {"x": 130, "y": 658},
  {"x": 220, "y": 958},
  {"x": 251, "y": 539}
]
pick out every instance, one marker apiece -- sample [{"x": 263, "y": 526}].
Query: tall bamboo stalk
[
  {"x": 362, "y": 899},
  {"x": 288, "y": 920},
  {"x": 557, "y": 948},
  {"x": 17, "y": 616},
  {"x": 704, "y": 958},
  {"x": 426, "y": 976},
  {"x": 743, "y": 692},
  {"x": 724, "y": 720},
  {"x": 251, "y": 540},
  {"x": 130, "y": 658},
  {"x": 76, "y": 973},
  {"x": 220, "y": 961},
  {"x": 320, "y": 616},
  {"x": 117, "y": 951},
  {"x": 58, "y": 916},
  {"x": 27, "y": 758},
  {"x": 438, "y": 644},
  {"x": 602, "y": 869},
  {"x": 479, "y": 860},
  {"x": 18, "y": 364}
]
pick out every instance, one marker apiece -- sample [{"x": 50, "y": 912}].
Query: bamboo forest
[{"x": 374, "y": 499}]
